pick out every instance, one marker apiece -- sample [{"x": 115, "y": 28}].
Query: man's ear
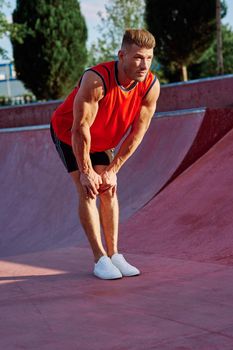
[{"x": 121, "y": 54}]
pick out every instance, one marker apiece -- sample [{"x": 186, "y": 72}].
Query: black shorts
[{"x": 68, "y": 158}]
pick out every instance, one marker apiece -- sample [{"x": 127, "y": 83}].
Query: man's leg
[
  {"x": 89, "y": 217},
  {"x": 109, "y": 215}
]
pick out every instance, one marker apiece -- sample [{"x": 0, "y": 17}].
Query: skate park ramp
[
  {"x": 192, "y": 218},
  {"x": 38, "y": 202},
  {"x": 176, "y": 226}
]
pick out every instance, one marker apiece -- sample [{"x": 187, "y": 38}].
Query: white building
[{"x": 10, "y": 86}]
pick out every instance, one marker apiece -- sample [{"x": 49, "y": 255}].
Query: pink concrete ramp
[
  {"x": 174, "y": 141},
  {"x": 38, "y": 200},
  {"x": 214, "y": 92},
  {"x": 36, "y": 194},
  {"x": 192, "y": 218},
  {"x": 49, "y": 299}
]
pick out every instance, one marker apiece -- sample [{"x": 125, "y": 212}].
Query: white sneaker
[
  {"x": 125, "y": 268},
  {"x": 105, "y": 269}
]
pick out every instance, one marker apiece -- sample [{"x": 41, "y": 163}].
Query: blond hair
[{"x": 139, "y": 37}]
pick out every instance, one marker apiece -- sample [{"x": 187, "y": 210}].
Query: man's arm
[
  {"x": 138, "y": 129},
  {"x": 85, "y": 109}
]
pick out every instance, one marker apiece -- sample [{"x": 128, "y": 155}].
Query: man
[{"x": 110, "y": 99}]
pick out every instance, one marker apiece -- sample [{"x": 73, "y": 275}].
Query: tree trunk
[
  {"x": 220, "y": 66},
  {"x": 184, "y": 73}
]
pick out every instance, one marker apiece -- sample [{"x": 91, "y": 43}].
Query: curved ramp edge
[
  {"x": 192, "y": 218},
  {"x": 174, "y": 141},
  {"x": 38, "y": 200},
  {"x": 215, "y": 125}
]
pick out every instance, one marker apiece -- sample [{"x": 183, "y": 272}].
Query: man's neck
[{"x": 122, "y": 78}]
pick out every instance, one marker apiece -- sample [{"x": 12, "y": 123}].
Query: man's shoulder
[
  {"x": 103, "y": 65},
  {"x": 105, "y": 71}
]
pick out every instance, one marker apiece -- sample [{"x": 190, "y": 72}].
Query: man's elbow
[
  {"x": 80, "y": 134},
  {"x": 74, "y": 131},
  {"x": 79, "y": 128}
]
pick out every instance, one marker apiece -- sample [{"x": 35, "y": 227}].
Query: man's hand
[
  {"x": 109, "y": 180},
  {"x": 91, "y": 183}
]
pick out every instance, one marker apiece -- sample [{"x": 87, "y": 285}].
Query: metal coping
[
  {"x": 178, "y": 113},
  {"x": 202, "y": 80},
  {"x": 25, "y": 128},
  {"x": 32, "y": 104}
]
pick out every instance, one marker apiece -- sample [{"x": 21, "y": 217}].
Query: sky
[{"x": 90, "y": 9}]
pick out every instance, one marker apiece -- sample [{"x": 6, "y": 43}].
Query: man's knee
[
  {"x": 82, "y": 195},
  {"x": 108, "y": 195}
]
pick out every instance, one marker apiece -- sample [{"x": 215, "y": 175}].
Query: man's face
[{"x": 136, "y": 61}]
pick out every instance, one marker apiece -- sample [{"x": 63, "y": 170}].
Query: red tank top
[{"x": 116, "y": 113}]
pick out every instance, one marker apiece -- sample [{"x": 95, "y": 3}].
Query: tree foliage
[
  {"x": 8, "y": 29},
  {"x": 207, "y": 64},
  {"x": 183, "y": 30},
  {"x": 119, "y": 15},
  {"x": 53, "y": 53},
  {"x": 4, "y": 28}
]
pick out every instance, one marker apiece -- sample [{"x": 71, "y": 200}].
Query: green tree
[
  {"x": 119, "y": 15},
  {"x": 53, "y": 53},
  {"x": 183, "y": 29},
  {"x": 220, "y": 64},
  {"x": 207, "y": 64}
]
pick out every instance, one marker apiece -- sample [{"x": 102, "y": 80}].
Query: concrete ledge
[
  {"x": 35, "y": 184},
  {"x": 211, "y": 92},
  {"x": 33, "y": 114}
]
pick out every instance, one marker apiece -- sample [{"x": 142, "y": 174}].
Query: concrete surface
[
  {"x": 181, "y": 240},
  {"x": 50, "y": 301},
  {"x": 192, "y": 217},
  {"x": 37, "y": 193},
  {"x": 32, "y": 114},
  {"x": 215, "y": 92},
  {"x": 211, "y": 93}
]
